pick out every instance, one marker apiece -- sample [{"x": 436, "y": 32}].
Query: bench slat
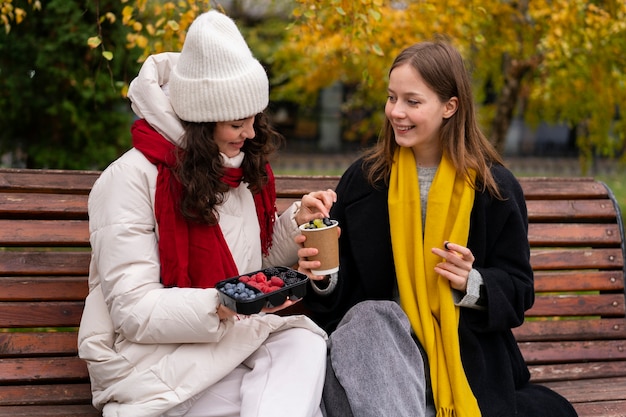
[
  {"x": 41, "y": 314},
  {"x": 551, "y": 259},
  {"x": 601, "y": 409},
  {"x": 553, "y": 330},
  {"x": 572, "y": 210},
  {"x": 49, "y": 411},
  {"x": 38, "y": 343},
  {"x": 45, "y": 394},
  {"x": 43, "y": 288},
  {"x": 562, "y": 352},
  {"x": 573, "y": 234},
  {"x": 44, "y": 263},
  {"x": 47, "y": 181},
  {"x": 562, "y": 188},
  {"x": 579, "y": 281},
  {"x": 46, "y": 369},
  {"x": 295, "y": 186},
  {"x": 38, "y": 206},
  {"x": 611, "y": 305},
  {"x": 592, "y": 390},
  {"x": 577, "y": 371},
  {"x": 44, "y": 233}
]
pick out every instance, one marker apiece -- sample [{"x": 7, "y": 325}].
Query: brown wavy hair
[
  {"x": 200, "y": 169},
  {"x": 441, "y": 67}
]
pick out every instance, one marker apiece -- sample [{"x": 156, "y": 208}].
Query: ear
[{"x": 450, "y": 107}]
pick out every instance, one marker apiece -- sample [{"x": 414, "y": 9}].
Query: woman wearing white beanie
[{"x": 191, "y": 204}]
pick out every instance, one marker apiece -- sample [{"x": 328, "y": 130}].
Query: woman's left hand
[
  {"x": 288, "y": 303},
  {"x": 315, "y": 205},
  {"x": 457, "y": 264}
]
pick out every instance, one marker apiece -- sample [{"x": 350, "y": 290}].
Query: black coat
[{"x": 498, "y": 240}]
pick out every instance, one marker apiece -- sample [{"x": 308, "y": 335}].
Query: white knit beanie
[{"x": 217, "y": 79}]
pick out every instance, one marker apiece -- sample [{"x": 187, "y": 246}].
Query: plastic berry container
[{"x": 230, "y": 290}]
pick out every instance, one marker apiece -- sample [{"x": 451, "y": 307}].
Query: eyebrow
[{"x": 410, "y": 93}]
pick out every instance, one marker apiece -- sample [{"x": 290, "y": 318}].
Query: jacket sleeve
[
  {"x": 499, "y": 241},
  {"x": 284, "y": 251},
  {"x": 125, "y": 261}
]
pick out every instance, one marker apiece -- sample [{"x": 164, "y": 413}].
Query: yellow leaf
[
  {"x": 108, "y": 55},
  {"x": 173, "y": 25},
  {"x": 377, "y": 50},
  {"x": 127, "y": 14},
  {"x": 125, "y": 91},
  {"x": 141, "y": 41},
  {"x": 94, "y": 42},
  {"x": 19, "y": 15},
  {"x": 375, "y": 14},
  {"x": 110, "y": 17}
]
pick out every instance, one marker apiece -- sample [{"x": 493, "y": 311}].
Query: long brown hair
[
  {"x": 200, "y": 167},
  {"x": 441, "y": 66}
]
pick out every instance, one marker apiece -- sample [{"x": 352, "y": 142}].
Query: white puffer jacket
[{"x": 150, "y": 348}]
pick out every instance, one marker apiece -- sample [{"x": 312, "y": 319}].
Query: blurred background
[{"x": 549, "y": 76}]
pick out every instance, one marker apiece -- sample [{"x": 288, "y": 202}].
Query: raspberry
[{"x": 277, "y": 282}]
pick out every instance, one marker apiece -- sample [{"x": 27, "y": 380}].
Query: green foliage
[
  {"x": 60, "y": 101},
  {"x": 553, "y": 60}
]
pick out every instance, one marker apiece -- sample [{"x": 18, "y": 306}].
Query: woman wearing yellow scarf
[{"x": 431, "y": 221}]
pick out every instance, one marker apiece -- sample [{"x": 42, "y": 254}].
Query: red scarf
[{"x": 194, "y": 254}]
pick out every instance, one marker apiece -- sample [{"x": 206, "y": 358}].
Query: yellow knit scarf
[{"x": 425, "y": 296}]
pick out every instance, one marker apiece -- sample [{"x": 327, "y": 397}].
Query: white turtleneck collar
[{"x": 234, "y": 162}]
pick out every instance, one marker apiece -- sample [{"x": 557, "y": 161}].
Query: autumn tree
[
  {"x": 66, "y": 66},
  {"x": 549, "y": 60},
  {"x": 555, "y": 60},
  {"x": 60, "y": 102}
]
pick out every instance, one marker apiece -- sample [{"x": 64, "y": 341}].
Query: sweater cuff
[
  {"x": 471, "y": 298},
  {"x": 329, "y": 288}
]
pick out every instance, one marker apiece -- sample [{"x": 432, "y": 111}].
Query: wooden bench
[{"x": 574, "y": 339}]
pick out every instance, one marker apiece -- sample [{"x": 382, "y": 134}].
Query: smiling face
[
  {"x": 416, "y": 114},
  {"x": 230, "y": 136}
]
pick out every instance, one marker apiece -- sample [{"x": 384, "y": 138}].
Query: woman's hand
[
  {"x": 315, "y": 205},
  {"x": 457, "y": 265},
  {"x": 224, "y": 313},
  {"x": 304, "y": 265},
  {"x": 288, "y": 303}
]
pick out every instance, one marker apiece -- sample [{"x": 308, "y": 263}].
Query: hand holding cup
[{"x": 322, "y": 234}]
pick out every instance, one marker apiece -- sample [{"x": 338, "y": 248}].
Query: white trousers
[{"x": 283, "y": 378}]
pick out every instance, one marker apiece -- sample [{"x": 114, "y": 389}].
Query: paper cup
[{"x": 326, "y": 240}]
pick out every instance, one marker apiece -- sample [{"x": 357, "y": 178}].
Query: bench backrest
[
  {"x": 44, "y": 263},
  {"x": 576, "y": 329}
]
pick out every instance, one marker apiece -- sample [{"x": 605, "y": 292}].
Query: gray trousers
[{"x": 375, "y": 366}]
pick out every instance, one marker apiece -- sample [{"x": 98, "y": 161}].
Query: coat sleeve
[
  {"x": 284, "y": 251},
  {"x": 125, "y": 262},
  {"x": 499, "y": 241}
]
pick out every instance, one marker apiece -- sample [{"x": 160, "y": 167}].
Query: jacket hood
[{"x": 149, "y": 96}]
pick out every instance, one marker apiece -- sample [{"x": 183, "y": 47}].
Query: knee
[
  {"x": 307, "y": 343},
  {"x": 377, "y": 311}
]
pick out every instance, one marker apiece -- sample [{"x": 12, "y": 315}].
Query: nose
[
  {"x": 395, "y": 111},
  {"x": 248, "y": 129}
]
